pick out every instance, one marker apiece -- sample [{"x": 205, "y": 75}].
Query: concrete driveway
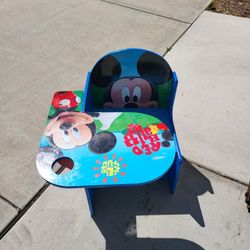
[{"x": 47, "y": 46}]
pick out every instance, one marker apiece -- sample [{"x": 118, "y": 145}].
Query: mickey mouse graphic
[
  {"x": 71, "y": 129},
  {"x": 131, "y": 82}
]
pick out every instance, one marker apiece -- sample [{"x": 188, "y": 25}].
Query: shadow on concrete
[{"x": 117, "y": 208}]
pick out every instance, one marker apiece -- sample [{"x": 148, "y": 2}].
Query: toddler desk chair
[{"x": 119, "y": 131}]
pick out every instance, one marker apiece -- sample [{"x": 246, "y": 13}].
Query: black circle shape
[
  {"x": 165, "y": 144},
  {"x": 105, "y": 71},
  {"x": 102, "y": 142},
  {"x": 154, "y": 68},
  {"x": 166, "y": 134}
]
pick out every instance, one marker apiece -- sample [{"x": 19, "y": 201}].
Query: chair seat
[{"x": 126, "y": 148}]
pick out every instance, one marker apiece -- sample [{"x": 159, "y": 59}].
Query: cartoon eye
[
  {"x": 125, "y": 94},
  {"x": 76, "y": 133},
  {"x": 78, "y": 99},
  {"x": 64, "y": 102},
  {"x": 137, "y": 94},
  {"x": 66, "y": 136}
]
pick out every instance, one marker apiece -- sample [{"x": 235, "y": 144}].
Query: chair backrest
[{"x": 131, "y": 78}]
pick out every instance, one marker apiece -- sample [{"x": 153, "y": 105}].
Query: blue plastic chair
[{"x": 140, "y": 85}]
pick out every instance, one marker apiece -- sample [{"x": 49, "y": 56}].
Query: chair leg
[
  {"x": 90, "y": 199},
  {"x": 173, "y": 174}
]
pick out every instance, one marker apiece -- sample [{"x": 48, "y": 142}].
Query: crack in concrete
[
  {"x": 22, "y": 211},
  {"x": 144, "y": 11},
  {"x": 216, "y": 172},
  {"x": 9, "y": 203},
  {"x": 183, "y": 33}
]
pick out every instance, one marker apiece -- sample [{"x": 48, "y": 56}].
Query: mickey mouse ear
[
  {"x": 154, "y": 68},
  {"x": 107, "y": 70}
]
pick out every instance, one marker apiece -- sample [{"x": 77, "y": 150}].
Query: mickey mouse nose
[
  {"x": 66, "y": 125},
  {"x": 131, "y": 105}
]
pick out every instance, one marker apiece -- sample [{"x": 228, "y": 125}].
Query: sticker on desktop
[
  {"x": 146, "y": 140},
  {"x": 110, "y": 168}
]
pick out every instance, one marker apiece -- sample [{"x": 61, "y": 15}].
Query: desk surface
[
  {"x": 122, "y": 149},
  {"x": 106, "y": 149}
]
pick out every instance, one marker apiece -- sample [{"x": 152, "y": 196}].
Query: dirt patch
[{"x": 231, "y": 7}]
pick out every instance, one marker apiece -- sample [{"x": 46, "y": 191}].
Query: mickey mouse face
[
  {"x": 131, "y": 80},
  {"x": 69, "y": 129},
  {"x": 131, "y": 93}
]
